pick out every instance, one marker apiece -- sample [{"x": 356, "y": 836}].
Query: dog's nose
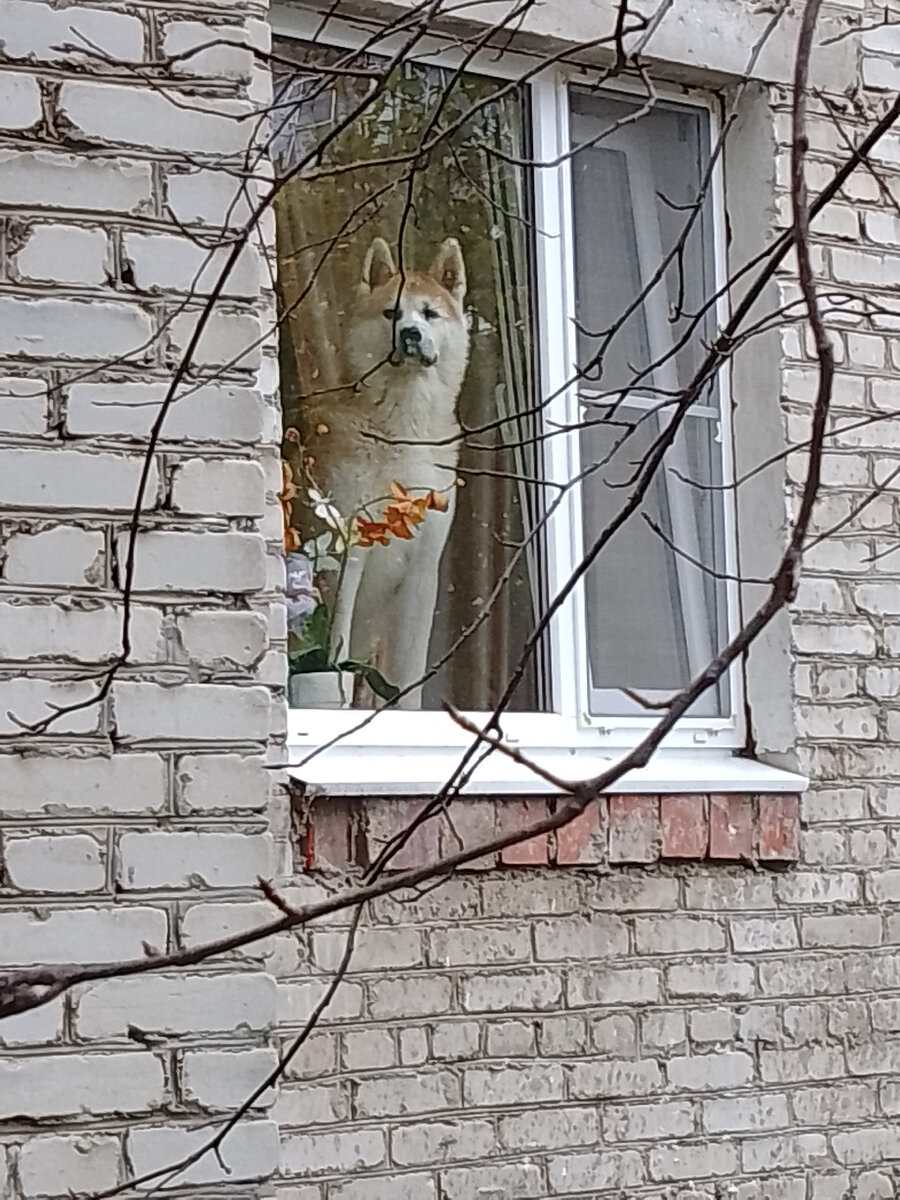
[{"x": 410, "y": 337}]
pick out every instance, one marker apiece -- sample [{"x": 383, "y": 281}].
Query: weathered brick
[
  {"x": 101, "y": 785},
  {"x": 215, "y": 860},
  {"x": 710, "y": 1072},
  {"x": 767, "y": 1111},
  {"x": 55, "y": 863},
  {"x": 686, "y": 1161},
  {"x": 488, "y": 1086},
  {"x": 23, "y": 404},
  {"x": 60, "y": 1165},
  {"x": 677, "y": 935},
  {"x": 167, "y": 561},
  {"x": 474, "y": 945},
  {"x": 211, "y": 413},
  {"x": 224, "y": 1079},
  {"x": 684, "y": 822},
  {"x": 327, "y": 1153},
  {"x": 609, "y": 1080},
  {"x": 222, "y": 782},
  {"x": 612, "y": 985},
  {"x": 72, "y": 1084},
  {"x": 73, "y": 329},
  {"x": 175, "y": 1005},
  {"x": 633, "y": 829},
  {"x": 74, "y": 935},
  {"x": 441, "y": 1142},
  {"x": 648, "y": 1122},
  {"x": 577, "y": 938},
  {"x": 610, "y": 1169},
  {"x": 249, "y": 1152},
  {"x": 395, "y": 1095},
  {"x": 509, "y": 1179},
  {"x": 70, "y": 479},
  {"x": 63, "y": 254},
  {"x": 20, "y": 101}
]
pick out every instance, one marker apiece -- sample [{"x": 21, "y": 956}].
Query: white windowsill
[{"x": 407, "y": 771}]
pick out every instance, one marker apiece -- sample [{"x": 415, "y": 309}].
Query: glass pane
[
  {"x": 655, "y": 615},
  {"x": 404, "y": 287},
  {"x": 634, "y": 183}
]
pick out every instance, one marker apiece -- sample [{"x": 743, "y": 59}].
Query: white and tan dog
[{"x": 406, "y": 348}]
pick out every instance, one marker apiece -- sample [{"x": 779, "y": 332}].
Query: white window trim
[{"x": 410, "y": 753}]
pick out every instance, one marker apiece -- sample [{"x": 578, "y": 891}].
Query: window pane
[
  {"x": 655, "y": 615},
  {"x": 404, "y": 286}
]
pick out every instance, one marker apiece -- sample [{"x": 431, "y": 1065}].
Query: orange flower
[
  {"x": 371, "y": 532},
  {"x": 399, "y": 518},
  {"x": 286, "y": 496}
]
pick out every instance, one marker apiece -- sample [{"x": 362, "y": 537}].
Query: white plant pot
[{"x": 321, "y": 689}]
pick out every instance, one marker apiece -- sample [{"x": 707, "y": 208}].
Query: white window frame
[{"x": 349, "y": 751}]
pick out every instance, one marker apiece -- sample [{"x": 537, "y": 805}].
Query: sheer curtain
[{"x": 655, "y": 616}]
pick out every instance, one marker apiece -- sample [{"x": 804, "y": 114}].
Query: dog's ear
[
  {"x": 378, "y": 265},
  {"x": 449, "y": 269}
]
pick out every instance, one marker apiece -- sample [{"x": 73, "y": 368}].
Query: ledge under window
[{"x": 369, "y": 770}]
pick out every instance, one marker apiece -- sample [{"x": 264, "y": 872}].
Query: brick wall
[
  {"x": 140, "y": 823},
  {"x": 597, "y": 1016}
]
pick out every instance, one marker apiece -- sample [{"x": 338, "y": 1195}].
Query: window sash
[{"x": 569, "y": 724}]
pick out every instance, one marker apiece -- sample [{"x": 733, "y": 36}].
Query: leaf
[
  {"x": 309, "y": 662},
  {"x": 316, "y": 631},
  {"x": 373, "y": 677}
]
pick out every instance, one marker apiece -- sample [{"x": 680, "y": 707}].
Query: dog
[{"x": 406, "y": 346}]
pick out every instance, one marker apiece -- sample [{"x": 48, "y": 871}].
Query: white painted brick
[
  {"x": 37, "y": 31},
  {"x": 211, "y": 782},
  {"x": 215, "y": 198},
  {"x": 865, "y": 350},
  {"x": 228, "y": 339},
  {"x": 170, "y": 263},
  {"x": 20, "y": 101},
  {"x": 76, "y": 935},
  {"x": 59, "y": 1166},
  {"x": 854, "y": 639},
  {"x": 881, "y": 73},
  {"x": 229, "y": 488},
  {"x": 522, "y": 1179},
  {"x": 221, "y": 1079},
  {"x": 205, "y": 712},
  {"x": 55, "y": 863},
  {"x": 710, "y": 1072},
  {"x": 296, "y": 1001},
  {"x": 73, "y": 1084},
  {"x": 174, "y": 1006},
  {"x": 865, "y": 267},
  {"x": 201, "y": 562},
  {"x": 321, "y": 1153},
  {"x": 883, "y": 227},
  {"x": 224, "y": 638},
  {"x": 884, "y": 39},
  {"x": 71, "y": 634},
  {"x": 208, "y": 921},
  {"x": 837, "y": 721},
  {"x": 61, "y": 555},
  {"x": 381, "y": 949},
  {"x": 387, "y": 1095},
  {"x": 135, "y": 116},
  {"x": 45, "y": 179},
  {"x": 215, "y": 860},
  {"x": 78, "y": 329},
  {"x": 63, "y": 254},
  {"x": 31, "y": 700},
  {"x": 34, "y": 1027},
  {"x": 234, "y": 61},
  {"x": 249, "y": 1152},
  {"x": 63, "y": 785},
  {"x": 23, "y": 405},
  {"x": 202, "y": 414},
  {"x": 71, "y": 479}
]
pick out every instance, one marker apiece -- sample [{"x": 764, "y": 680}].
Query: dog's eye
[
  {"x": 429, "y": 313},
  {"x": 391, "y": 314}
]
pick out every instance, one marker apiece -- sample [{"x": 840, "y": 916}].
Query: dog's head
[{"x": 412, "y": 320}]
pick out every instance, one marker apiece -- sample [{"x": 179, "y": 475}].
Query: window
[{"x": 490, "y": 292}]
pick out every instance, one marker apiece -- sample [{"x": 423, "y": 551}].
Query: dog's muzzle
[{"x": 413, "y": 347}]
